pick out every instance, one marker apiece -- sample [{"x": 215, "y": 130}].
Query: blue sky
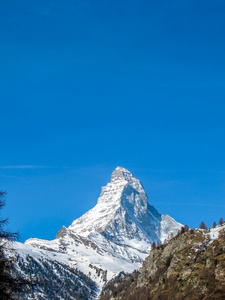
[{"x": 86, "y": 86}]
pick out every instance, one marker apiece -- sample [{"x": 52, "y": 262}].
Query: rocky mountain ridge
[{"x": 190, "y": 266}]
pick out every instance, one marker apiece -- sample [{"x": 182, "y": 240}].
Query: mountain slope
[
  {"x": 190, "y": 266},
  {"x": 54, "y": 274}
]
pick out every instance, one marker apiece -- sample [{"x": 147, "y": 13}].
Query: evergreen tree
[
  {"x": 214, "y": 224},
  {"x": 9, "y": 284},
  {"x": 202, "y": 225},
  {"x": 153, "y": 245},
  {"x": 186, "y": 228},
  {"x": 221, "y": 221}
]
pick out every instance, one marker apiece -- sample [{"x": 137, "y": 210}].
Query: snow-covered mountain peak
[
  {"x": 122, "y": 211},
  {"x": 121, "y": 174},
  {"x": 122, "y": 198}
]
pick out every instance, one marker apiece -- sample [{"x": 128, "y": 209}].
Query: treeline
[
  {"x": 184, "y": 229},
  {"x": 202, "y": 225},
  {"x": 11, "y": 284}
]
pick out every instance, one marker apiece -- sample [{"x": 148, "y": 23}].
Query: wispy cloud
[
  {"x": 190, "y": 204},
  {"x": 180, "y": 171},
  {"x": 27, "y": 167},
  {"x": 13, "y": 177}
]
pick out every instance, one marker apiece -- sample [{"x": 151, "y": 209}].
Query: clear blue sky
[{"x": 86, "y": 86}]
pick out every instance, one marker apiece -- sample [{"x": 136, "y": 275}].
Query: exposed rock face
[
  {"x": 190, "y": 266},
  {"x": 62, "y": 232}
]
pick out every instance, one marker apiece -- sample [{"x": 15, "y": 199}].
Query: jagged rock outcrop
[{"x": 62, "y": 232}]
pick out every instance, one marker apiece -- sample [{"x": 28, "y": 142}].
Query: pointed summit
[
  {"x": 121, "y": 174},
  {"x": 122, "y": 212}
]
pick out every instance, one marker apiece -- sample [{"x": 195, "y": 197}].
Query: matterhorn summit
[
  {"x": 123, "y": 217},
  {"x": 122, "y": 197},
  {"x": 114, "y": 236}
]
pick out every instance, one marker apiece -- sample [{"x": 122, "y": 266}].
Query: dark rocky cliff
[{"x": 191, "y": 266}]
